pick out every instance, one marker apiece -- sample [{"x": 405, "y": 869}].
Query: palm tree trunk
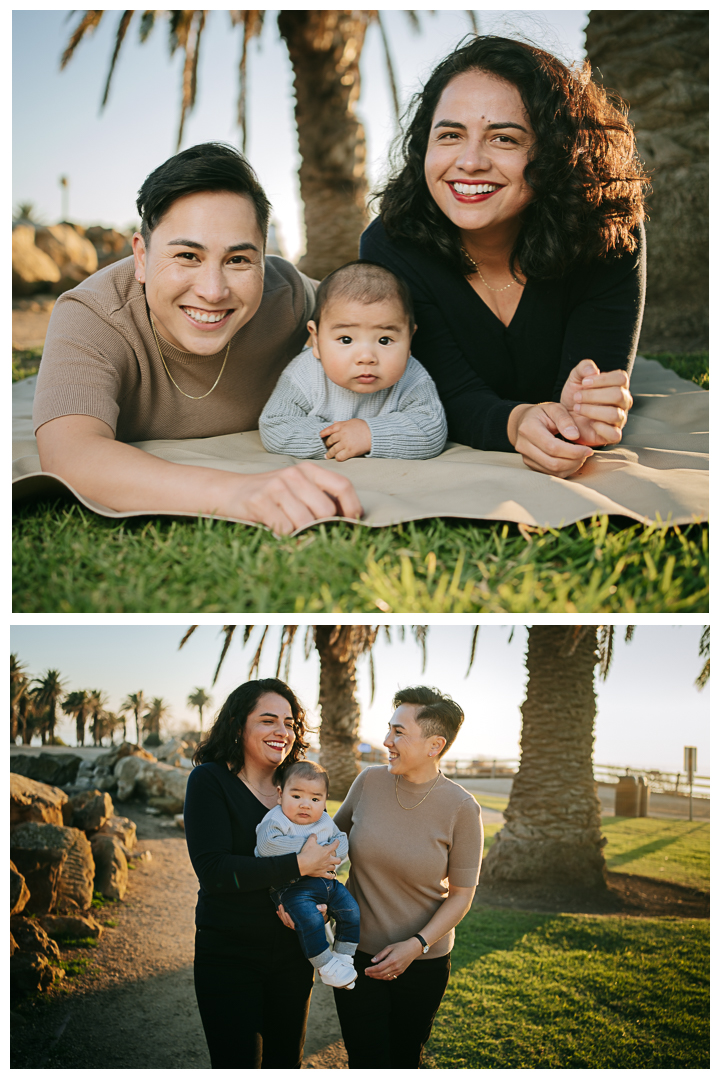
[
  {"x": 340, "y": 714},
  {"x": 553, "y": 827},
  {"x": 325, "y": 49},
  {"x": 658, "y": 62},
  {"x": 80, "y": 728}
]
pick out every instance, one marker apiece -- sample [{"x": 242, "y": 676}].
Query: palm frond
[
  {"x": 605, "y": 640},
  {"x": 414, "y": 20},
  {"x": 372, "y": 678},
  {"x": 190, "y": 630},
  {"x": 309, "y": 643},
  {"x": 228, "y": 631},
  {"x": 629, "y": 633},
  {"x": 473, "y": 646},
  {"x": 179, "y": 29},
  {"x": 123, "y": 25},
  {"x": 147, "y": 23},
  {"x": 87, "y": 24},
  {"x": 255, "y": 665},
  {"x": 420, "y": 633},
  {"x": 287, "y": 636},
  {"x": 252, "y": 24},
  {"x": 474, "y": 22},
  {"x": 189, "y": 37},
  {"x": 389, "y": 67},
  {"x": 704, "y": 651}
]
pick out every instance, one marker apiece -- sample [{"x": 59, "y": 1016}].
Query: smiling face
[
  {"x": 202, "y": 270},
  {"x": 412, "y": 754},
  {"x": 303, "y": 800},
  {"x": 363, "y": 347},
  {"x": 480, "y": 142},
  {"x": 268, "y": 734}
]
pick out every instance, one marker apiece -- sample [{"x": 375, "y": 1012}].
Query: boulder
[
  {"x": 126, "y": 772},
  {"x": 54, "y": 769},
  {"x": 104, "y": 780},
  {"x": 156, "y": 780},
  {"x": 32, "y": 801},
  {"x": 19, "y": 892},
  {"x": 166, "y": 804},
  {"x": 90, "y": 810},
  {"x": 32, "y": 270},
  {"x": 31, "y": 937},
  {"x": 31, "y": 972},
  {"x": 173, "y": 751},
  {"x": 125, "y": 749},
  {"x": 109, "y": 244},
  {"x": 74, "y": 886},
  {"x": 70, "y": 926},
  {"x": 111, "y": 868},
  {"x": 122, "y": 828},
  {"x": 67, "y": 248},
  {"x": 41, "y": 870}
]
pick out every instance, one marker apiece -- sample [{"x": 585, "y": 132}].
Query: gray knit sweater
[
  {"x": 406, "y": 420},
  {"x": 278, "y": 835}
]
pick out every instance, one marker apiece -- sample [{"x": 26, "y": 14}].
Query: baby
[
  {"x": 300, "y": 813},
  {"x": 358, "y": 391}
]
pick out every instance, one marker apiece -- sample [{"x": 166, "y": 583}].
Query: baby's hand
[{"x": 346, "y": 439}]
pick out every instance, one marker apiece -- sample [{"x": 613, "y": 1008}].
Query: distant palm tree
[
  {"x": 78, "y": 703},
  {"x": 98, "y": 700},
  {"x": 135, "y": 703},
  {"x": 198, "y": 699},
  {"x": 157, "y": 713},
  {"x": 109, "y": 722},
  {"x": 19, "y": 682},
  {"x": 47, "y": 691}
]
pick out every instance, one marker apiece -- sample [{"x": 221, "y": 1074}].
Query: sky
[
  {"x": 648, "y": 708},
  {"x": 58, "y": 129}
]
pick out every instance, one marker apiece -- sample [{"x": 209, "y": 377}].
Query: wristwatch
[{"x": 422, "y": 941}]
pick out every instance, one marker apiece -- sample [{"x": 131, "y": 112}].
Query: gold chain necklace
[
  {"x": 479, "y": 271},
  {"x": 193, "y": 397},
  {"x": 397, "y": 780},
  {"x": 257, "y": 790}
]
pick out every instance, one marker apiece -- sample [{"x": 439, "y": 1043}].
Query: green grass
[
  {"x": 692, "y": 366},
  {"x": 673, "y": 850},
  {"x": 77, "y": 965},
  {"x": 67, "y": 559},
  {"x": 531, "y": 991},
  {"x": 25, "y": 362}
]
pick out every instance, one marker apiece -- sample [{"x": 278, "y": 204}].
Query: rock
[
  {"x": 19, "y": 892},
  {"x": 109, "y": 244},
  {"x": 13, "y": 945},
  {"x": 41, "y": 871},
  {"x": 111, "y": 868},
  {"x": 126, "y": 772},
  {"x": 70, "y": 926},
  {"x": 180, "y": 821},
  {"x": 54, "y": 769},
  {"x": 32, "y": 801},
  {"x": 74, "y": 885},
  {"x": 166, "y": 804},
  {"x": 142, "y": 856},
  {"x": 32, "y": 270},
  {"x": 172, "y": 752},
  {"x": 67, "y": 248},
  {"x": 104, "y": 780},
  {"x": 31, "y": 972},
  {"x": 125, "y": 749},
  {"x": 156, "y": 780},
  {"x": 121, "y": 827},
  {"x": 31, "y": 937},
  {"x": 91, "y": 810}
]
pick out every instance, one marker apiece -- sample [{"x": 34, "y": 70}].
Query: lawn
[
  {"x": 532, "y": 991},
  {"x": 66, "y": 559}
]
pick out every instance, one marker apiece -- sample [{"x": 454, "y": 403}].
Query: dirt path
[{"x": 137, "y": 1009}]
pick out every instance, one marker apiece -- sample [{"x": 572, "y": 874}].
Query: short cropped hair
[
  {"x": 363, "y": 282},
  {"x": 438, "y": 713},
  {"x": 205, "y": 167},
  {"x": 305, "y": 770}
]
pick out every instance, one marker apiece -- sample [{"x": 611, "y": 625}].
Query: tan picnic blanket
[{"x": 659, "y": 471}]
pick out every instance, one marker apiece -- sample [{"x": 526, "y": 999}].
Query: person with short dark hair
[
  {"x": 356, "y": 391},
  {"x": 415, "y": 841},
  {"x": 302, "y": 794},
  {"x": 183, "y": 340},
  {"x": 243, "y": 953},
  {"x": 515, "y": 217}
]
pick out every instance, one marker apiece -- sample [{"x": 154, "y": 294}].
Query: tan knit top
[
  {"x": 101, "y": 359},
  {"x": 403, "y": 860}
]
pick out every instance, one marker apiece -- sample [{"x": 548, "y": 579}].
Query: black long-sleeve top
[
  {"x": 221, "y": 815},
  {"x": 483, "y": 369}
]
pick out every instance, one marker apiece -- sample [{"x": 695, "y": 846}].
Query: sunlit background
[
  {"x": 58, "y": 129},
  {"x": 648, "y": 708}
]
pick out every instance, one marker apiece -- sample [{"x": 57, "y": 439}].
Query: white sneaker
[{"x": 338, "y": 972}]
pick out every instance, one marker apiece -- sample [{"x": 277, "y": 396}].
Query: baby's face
[
  {"x": 363, "y": 347},
  {"x": 303, "y": 800}
]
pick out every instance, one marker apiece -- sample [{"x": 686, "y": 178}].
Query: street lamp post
[{"x": 690, "y": 765}]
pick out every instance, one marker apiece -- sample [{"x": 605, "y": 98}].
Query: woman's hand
[
  {"x": 394, "y": 959},
  {"x": 599, "y": 402},
  {"x": 532, "y": 430},
  {"x": 318, "y": 860},
  {"x": 287, "y": 920}
]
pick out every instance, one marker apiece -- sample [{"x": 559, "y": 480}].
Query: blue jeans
[{"x": 300, "y": 900}]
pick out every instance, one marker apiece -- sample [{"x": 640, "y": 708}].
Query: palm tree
[
  {"x": 158, "y": 711},
  {"x": 325, "y": 49},
  {"x": 19, "y": 682},
  {"x": 78, "y": 703},
  {"x": 135, "y": 703},
  {"x": 98, "y": 700},
  {"x": 339, "y": 649},
  {"x": 198, "y": 699},
  {"x": 47, "y": 691},
  {"x": 658, "y": 62}
]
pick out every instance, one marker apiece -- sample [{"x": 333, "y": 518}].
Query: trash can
[
  {"x": 644, "y": 796},
  {"x": 627, "y": 797}
]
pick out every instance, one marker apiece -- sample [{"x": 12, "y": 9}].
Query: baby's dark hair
[
  {"x": 364, "y": 282},
  {"x": 307, "y": 770}
]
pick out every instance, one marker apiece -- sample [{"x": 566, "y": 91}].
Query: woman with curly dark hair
[
  {"x": 252, "y": 980},
  {"x": 516, "y": 219}
]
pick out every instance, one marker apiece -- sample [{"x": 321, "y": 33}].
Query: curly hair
[
  {"x": 586, "y": 179},
  {"x": 224, "y": 741}
]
